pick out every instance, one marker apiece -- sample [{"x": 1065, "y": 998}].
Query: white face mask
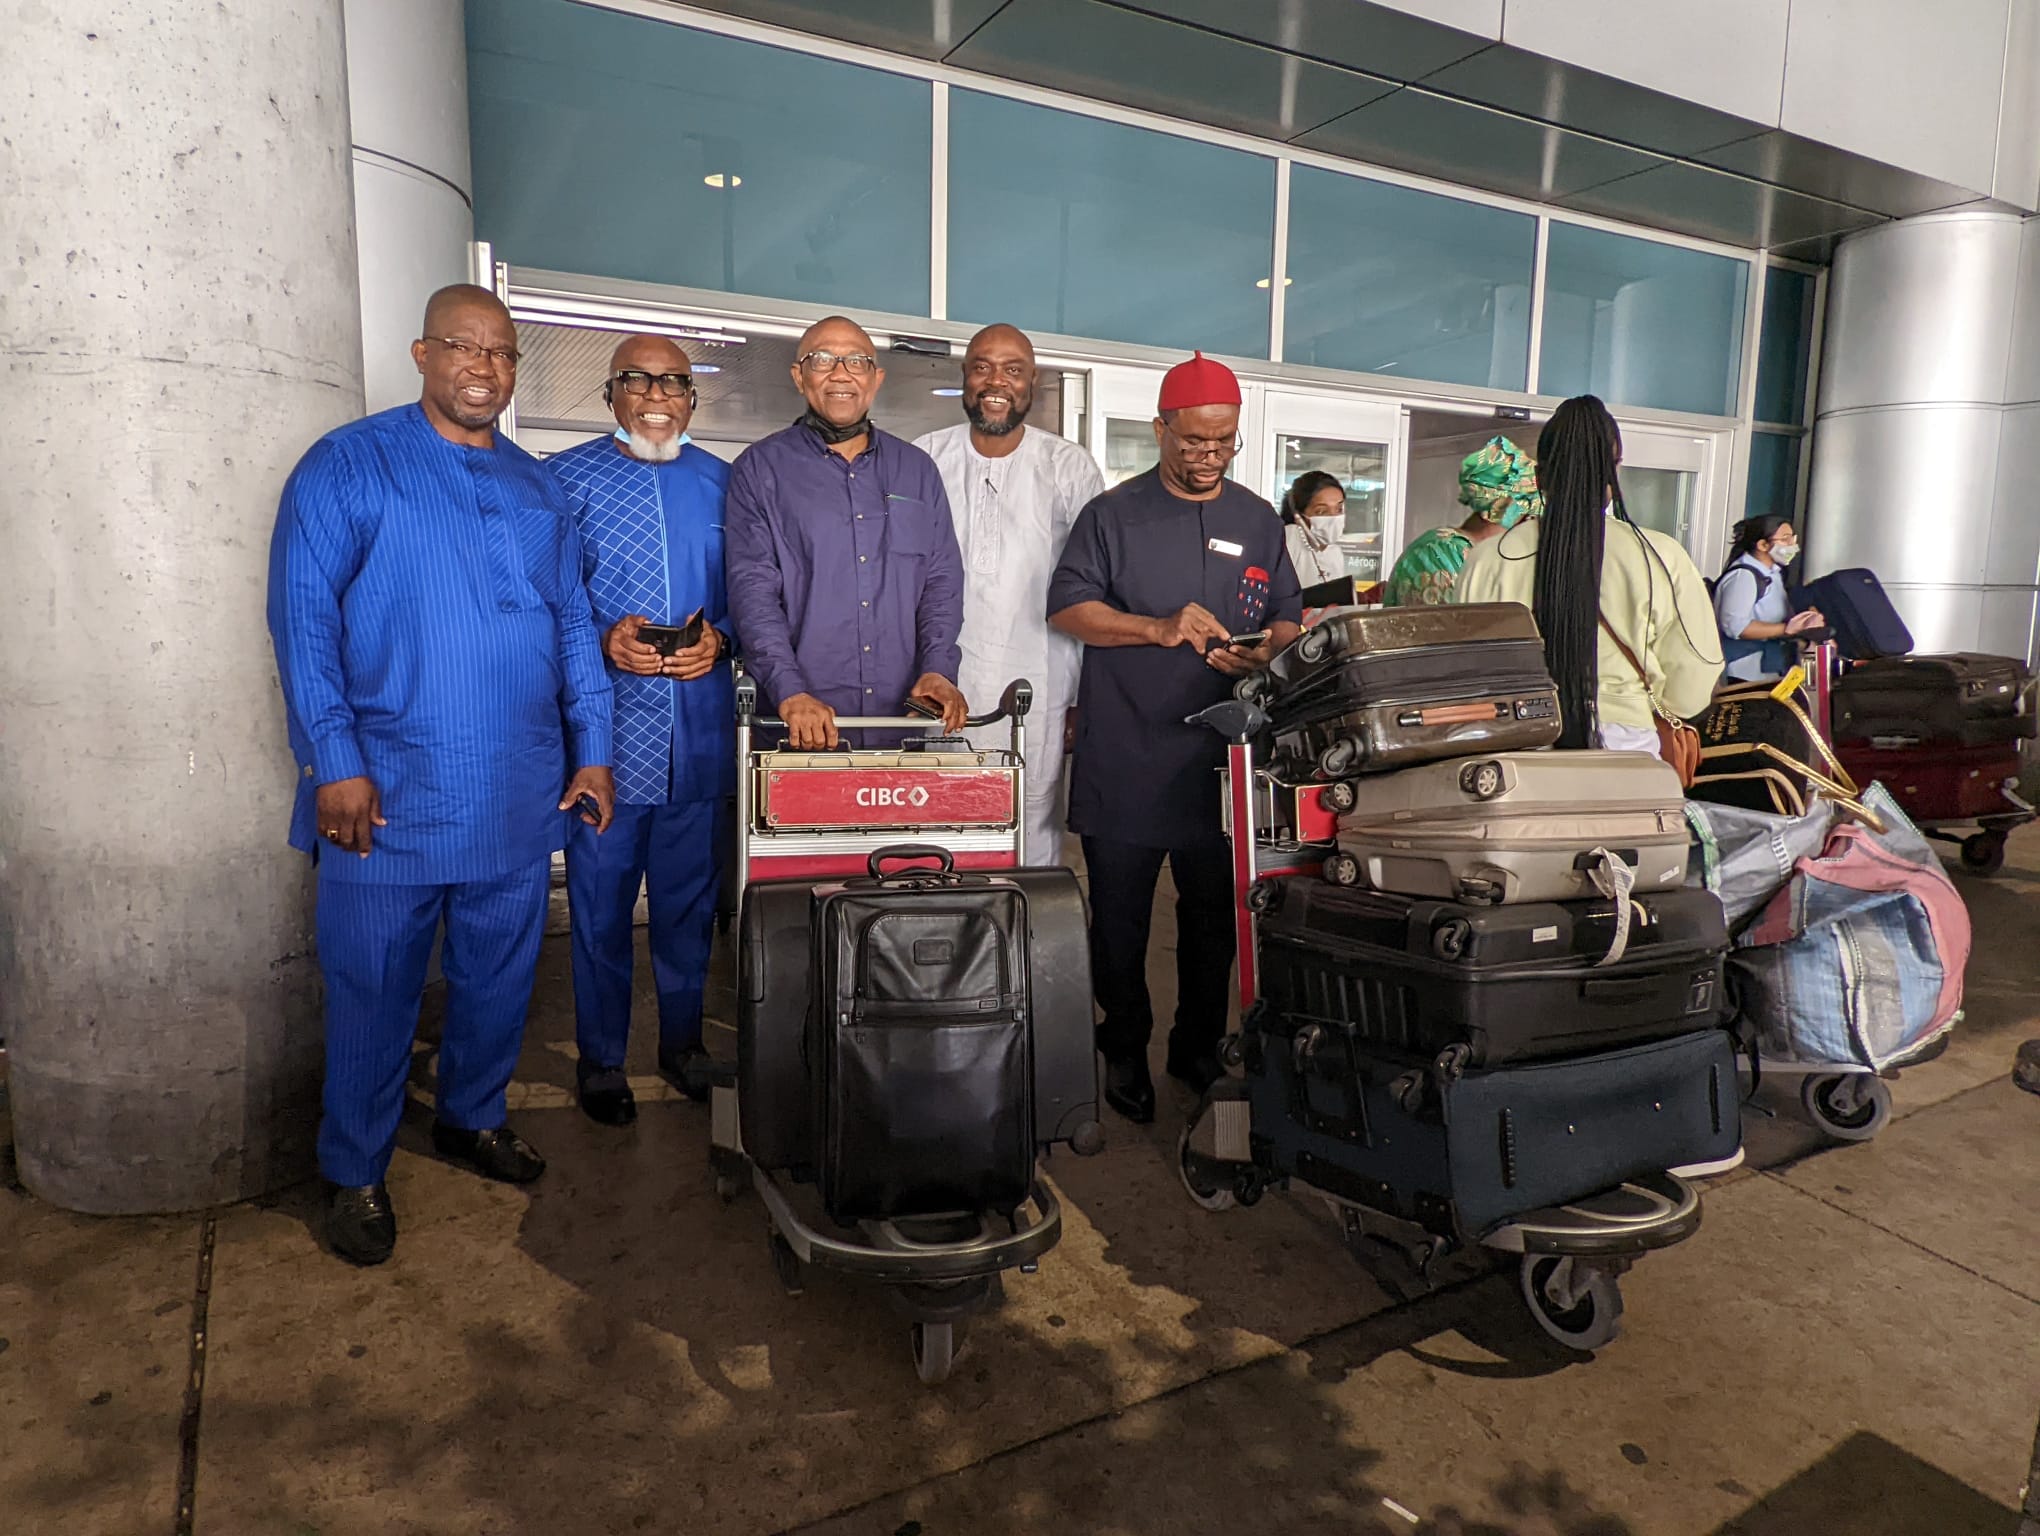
[{"x": 1784, "y": 554}]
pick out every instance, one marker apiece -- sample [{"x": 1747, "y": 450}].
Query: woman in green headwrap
[{"x": 1498, "y": 482}]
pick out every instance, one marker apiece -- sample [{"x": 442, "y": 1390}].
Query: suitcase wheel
[
  {"x": 1983, "y": 853},
  {"x": 1263, "y": 896},
  {"x": 1448, "y": 939},
  {"x": 1255, "y": 688},
  {"x": 1338, "y": 760},
  {"x": 1313, "y": 647},
  {"x": 934, "y": 1351},
  {"x": 1846, "y": 1106},
  {"x": 1339, "y": 797},
  {"x": 1575, "y": 1302},
  {"x": 1342, "y": 869}
]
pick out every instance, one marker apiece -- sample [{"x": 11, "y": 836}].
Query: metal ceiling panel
[
  {"x": 1713, "y": 205},
  {"x": 927, "y": 29},
  {"x": 1820, "y": 170},
  {"x": 1431, "y": 135},
  {"x": 1728, "y": 55},
  {"x": 1534, "y": 86},
  {"x": 1357, "y": 35},
  {"x": 1109, "y": 53}
]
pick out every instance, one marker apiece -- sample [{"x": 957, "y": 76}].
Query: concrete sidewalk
[{"x": 1849, "y": 1347}]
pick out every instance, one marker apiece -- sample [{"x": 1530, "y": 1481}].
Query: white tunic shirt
[{"x": 1013, "y": 516}]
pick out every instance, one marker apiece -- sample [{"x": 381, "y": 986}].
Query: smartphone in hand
[
  {"x": 1249, "y": 641},
  {"x": 671, "y": 639},
  {"x": 923, "y": 707}
]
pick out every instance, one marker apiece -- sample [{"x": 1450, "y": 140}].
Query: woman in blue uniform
[{"x": 1751, "y": 604}]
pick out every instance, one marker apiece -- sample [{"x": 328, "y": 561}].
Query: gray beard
[
  {"x": 651, "y": 450},
  {"x": 1013, "y": 422}
]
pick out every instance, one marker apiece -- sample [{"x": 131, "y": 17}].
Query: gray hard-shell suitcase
[
  {"x": 1515, "y": 826},
  {"x": 1366, "y": 692}
]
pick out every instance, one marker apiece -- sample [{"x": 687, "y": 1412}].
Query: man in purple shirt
[{"x": 845, "y": 582}]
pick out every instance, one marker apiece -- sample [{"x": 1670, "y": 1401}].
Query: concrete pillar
[
  {"x": 1928, "y": 421},
  {"x": 413, "y": 194},
  {"x": 178, "y": 322}
]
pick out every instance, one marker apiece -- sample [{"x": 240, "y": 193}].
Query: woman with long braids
[
  {"x": 1625, "y": 615},
  {"x": 1751, "y": 605}
]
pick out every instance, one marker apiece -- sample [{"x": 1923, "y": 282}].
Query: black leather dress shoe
[
  {"x": 498, "y": 1154},
  {"x": 692, "y": 1071},
  {"x": 1199, "y": 1069},
  {"x": 610, "y": 1106},
  {"x": 1130, "y": 1090},
  {"x": 361, "y": 1225}
]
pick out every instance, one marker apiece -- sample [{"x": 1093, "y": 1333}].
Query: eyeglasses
[
  {"x": 984, "y": 368},
  {"x": 636, "y": 381},
  {"x": 468, "y": 351},
  {"x": 821, "y": 364},
  {"x": 1204, "y": 447}
]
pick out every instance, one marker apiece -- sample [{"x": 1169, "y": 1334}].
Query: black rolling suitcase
[
  {"x": 775, "y": 1099},
  {"x": 1364, "y": 692},
  {"x": 919, "y": 1045},
  {"x": 1859, "y": 615},
  {"x": 1461, "y": 1152},
  {"x": 1498, "y": 984},
  {"x": 1967, "y": 699}
]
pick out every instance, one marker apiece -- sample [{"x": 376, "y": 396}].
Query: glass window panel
[
  {"x": 596, "y": 137},
  {"x": 1065, "y": 223},
  {"x": 1639, "y": 323},
  {"x": 1785, "y": 346},
  {"x": 1386, "y": 279},
  {"x": 1658, "y": 498},
  {"x": 1361, "y": 470},
  {"x": 1774, "y": 475},
  {"x": 1130, "y": 449}
]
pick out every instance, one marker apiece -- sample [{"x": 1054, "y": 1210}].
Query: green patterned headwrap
[{"x": 1499, "y": 481}]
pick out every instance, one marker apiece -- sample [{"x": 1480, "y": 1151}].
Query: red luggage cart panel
[
  {"x": 1935, "y": 781},
  {"x": 860, "y": 797}
]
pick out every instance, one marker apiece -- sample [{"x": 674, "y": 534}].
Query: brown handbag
[{"x": 1678, "y": 742}]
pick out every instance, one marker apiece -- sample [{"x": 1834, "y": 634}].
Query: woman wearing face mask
[
  {"x": 1498, "y": 481},
  {"x": 1751, "y": 604},
  {"x": 1315, "y": 512}
]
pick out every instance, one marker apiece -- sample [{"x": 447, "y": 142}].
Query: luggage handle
[
  {"x": 895, "y": 852},
  {"x": 1612, "y": 992}
]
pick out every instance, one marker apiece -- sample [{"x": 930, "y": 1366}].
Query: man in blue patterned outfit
[
  {"x": 649, "y": 506},
  {"x": 444, "y": 686}
]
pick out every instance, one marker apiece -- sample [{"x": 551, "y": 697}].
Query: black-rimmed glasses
[
  {"x": 821, "y": 364},
  {"x": 635, "y": 381}
]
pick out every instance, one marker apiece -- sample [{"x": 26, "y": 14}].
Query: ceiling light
[
  {"x": 706, "y": 368},
  {"x": 947, "y": 394},
  {"x": 1264, "y": 282},
  {"x": 719, "y": 179}
]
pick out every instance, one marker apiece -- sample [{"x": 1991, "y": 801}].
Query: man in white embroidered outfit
[{"x": 1014, "y": 493}]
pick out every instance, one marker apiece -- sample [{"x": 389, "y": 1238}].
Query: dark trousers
[{"x": 1123, "y": 879}]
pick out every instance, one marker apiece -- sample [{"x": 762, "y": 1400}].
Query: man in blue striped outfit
[
  {"x": 447, "y": 706},
  {"x": 648, "y": 504}
]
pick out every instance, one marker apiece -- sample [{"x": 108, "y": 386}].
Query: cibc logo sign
[{"x": 879, "y": 796}]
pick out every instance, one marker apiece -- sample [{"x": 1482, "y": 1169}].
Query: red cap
[{"x": 1198, "y": 382}]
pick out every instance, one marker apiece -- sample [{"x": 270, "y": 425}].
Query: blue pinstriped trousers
[
  {"x": 676, "y": 851},
  {"x": 375, "y": 942}
]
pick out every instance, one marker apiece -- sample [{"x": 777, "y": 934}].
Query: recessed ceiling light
[
  {"x": 718, "y": 179},
  {"x": 1264, "y": 282},
  {"x": 707, "y": 368},
  {"x": 949, "y": 394}
]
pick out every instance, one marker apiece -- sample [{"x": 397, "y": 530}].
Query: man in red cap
[{"x": 1159, "y": 574}]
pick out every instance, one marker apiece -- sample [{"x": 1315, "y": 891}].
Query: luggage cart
[
  {"x": 814, "y": 816},
  {"x": 1571, "y": 1257}
]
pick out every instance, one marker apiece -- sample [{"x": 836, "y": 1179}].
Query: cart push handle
[{"x": 1014, "y": 704}]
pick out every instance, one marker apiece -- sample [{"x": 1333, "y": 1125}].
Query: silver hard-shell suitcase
[{"x": 1506, "y": 827}]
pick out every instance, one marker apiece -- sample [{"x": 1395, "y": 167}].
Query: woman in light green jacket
[{"x": 1603, "y": 591}]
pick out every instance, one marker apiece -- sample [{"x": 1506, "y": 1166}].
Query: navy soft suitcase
[
  {"x": 1458, "y": 1152},
  {"x": 1860, "y": 617}
]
